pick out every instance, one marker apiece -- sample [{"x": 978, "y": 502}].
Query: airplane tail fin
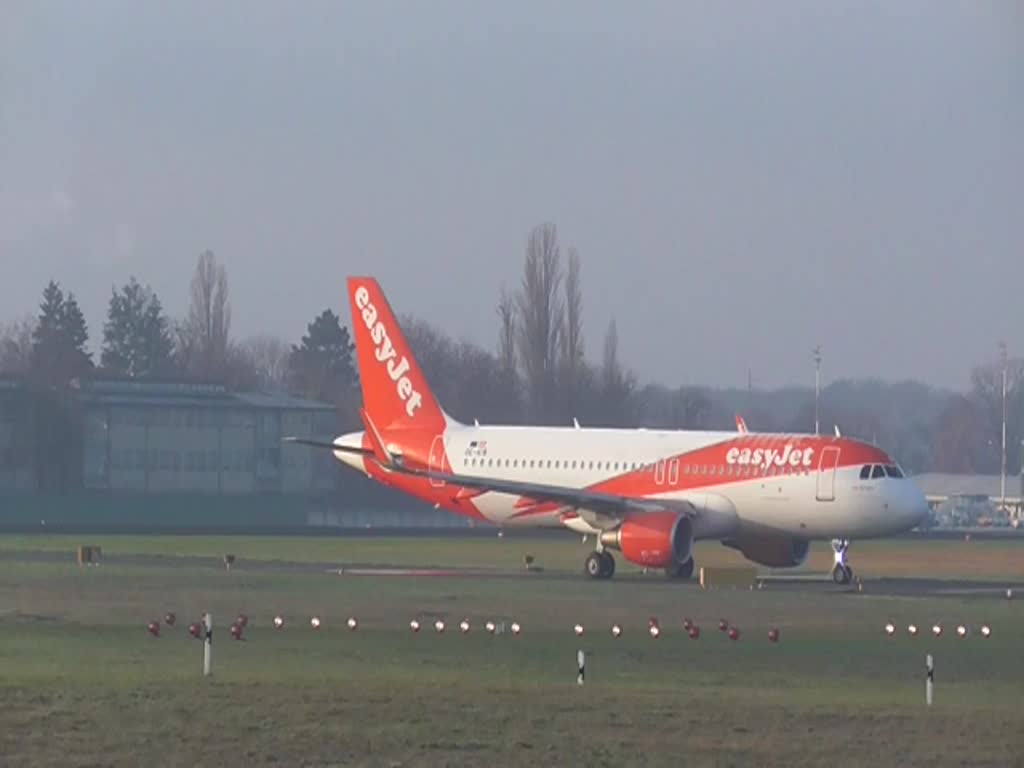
[{"x": 395, "y": 391}]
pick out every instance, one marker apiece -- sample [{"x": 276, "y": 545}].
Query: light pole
[
  {"x": 816, "y": 356},
  {"x": 1002, "y": 475}
]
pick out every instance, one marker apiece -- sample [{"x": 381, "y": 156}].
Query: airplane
[{"x": 647, "y": 493}]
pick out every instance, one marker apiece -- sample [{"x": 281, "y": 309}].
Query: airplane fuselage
[{"x": 802, "y": 486}]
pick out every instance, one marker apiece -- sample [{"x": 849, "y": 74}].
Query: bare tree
[
  {"x": 507, "y": 332},
  {"x": 508, "y": 391},
  {"x": 987, "y": 396},
  {"x": 572, "y": 337},
  {"x": 436, "y": 354},
  {"x": 208, "y": 326},
  {"x": 540, "y": 314},
  {"x": 16, "y": 346},
  {"x": 268, "y": 356},
  {"x": 617, "y": 385}
]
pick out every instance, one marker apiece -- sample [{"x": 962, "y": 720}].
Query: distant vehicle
[{"x": 646, "y": 493}]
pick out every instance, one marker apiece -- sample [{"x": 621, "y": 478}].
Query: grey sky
[{"x": 743, "y": 180}]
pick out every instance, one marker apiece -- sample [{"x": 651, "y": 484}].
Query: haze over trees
[{"x": 536, "y": 372}]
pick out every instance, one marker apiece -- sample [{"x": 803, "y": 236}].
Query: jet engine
[
  {"x": 655, "y": 540},
  {"x": 772, "y": 551}
]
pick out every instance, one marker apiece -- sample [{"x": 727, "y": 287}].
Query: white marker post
[
  {"x": 580, "y": 664},
  {"x": 929, "y": 680},
  {"x": 207, "y": 644}
]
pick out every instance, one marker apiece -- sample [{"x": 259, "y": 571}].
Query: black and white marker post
[
  {"x": 580, "y": 664},
  {"x": 207, "y": 644},
  {"x": 929, "y": 680}
]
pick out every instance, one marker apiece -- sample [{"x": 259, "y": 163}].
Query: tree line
[{"x": 536, "y": 373}]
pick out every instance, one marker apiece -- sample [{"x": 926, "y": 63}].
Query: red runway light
[
  {"x": 169, "y": 619},
  {"x": 194, "y": 629},
  {"x": 734, "y": 634},
  {"x": 236, "y": 631},
  {"x": 154, "y": 628},
  {"x": 694, "y": 632},
  {"x": 773, "y": 635}
]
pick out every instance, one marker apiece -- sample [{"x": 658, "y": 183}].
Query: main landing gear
[
  {"x": 842, "y": 573},
  {"x": 599, "y": 565}
]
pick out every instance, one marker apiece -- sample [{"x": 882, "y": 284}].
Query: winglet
[
  {"x": 741, "y": 425},
  {"x": 837, "y": 430}
]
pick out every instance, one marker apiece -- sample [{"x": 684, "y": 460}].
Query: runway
[{"x": 803, "y": 582}]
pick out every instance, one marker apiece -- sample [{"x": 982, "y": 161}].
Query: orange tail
[{"x": 395, "y": 391}]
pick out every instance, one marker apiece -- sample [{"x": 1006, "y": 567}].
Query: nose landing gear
[{"x": 842, "y": 573}]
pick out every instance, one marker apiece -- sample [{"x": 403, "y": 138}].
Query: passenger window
[
  {"x": 865, "y": 472},
  {"x": 877, "y": 471}
]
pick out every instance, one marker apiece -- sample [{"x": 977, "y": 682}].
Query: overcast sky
[{"x": 744, "y": 180}]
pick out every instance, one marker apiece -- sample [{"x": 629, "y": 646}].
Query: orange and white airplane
[{"x": 646, "y": 493}]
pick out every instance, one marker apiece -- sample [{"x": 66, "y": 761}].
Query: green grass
[
  {"x": 83, "y": 683},
  {"x": 977, "y": 559}
]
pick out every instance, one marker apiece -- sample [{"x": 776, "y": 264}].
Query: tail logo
[{"x": 385, "y": 353}]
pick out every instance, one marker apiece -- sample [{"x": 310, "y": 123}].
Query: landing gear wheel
[
  {"x": 594, "y": 565},
  {"x": 609, "y": 565},
  {"x": 842, "y": 574},
  {"x": 680, "y": 570}
]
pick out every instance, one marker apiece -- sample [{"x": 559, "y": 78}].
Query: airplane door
[
  {"x": 438, "y": 460},
  {"x": 827, "y": 474}
]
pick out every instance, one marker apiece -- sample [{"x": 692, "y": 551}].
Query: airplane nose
[{"x": 915, "y": 505}]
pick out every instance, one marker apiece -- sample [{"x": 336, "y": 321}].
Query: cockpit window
[
  {"x": 865, "y": 472},
  {"x": 877, "y": 471},
  {"x": 893, "y": 471}
]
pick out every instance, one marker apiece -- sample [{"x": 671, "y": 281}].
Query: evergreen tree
[
  {"x": 59, "y": 339},
  {"x": 136, "y": 336},
  {"x": 322, "y": 367}
]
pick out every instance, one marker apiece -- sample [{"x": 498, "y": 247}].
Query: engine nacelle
[
  {"x": 772, "y": 551},
  {"x": 657, "y": 539}
]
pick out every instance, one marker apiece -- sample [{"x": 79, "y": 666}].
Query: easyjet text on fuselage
[{"x": 767, "y": 457}]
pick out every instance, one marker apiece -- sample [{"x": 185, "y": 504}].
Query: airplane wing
[{"x": 611, "y": 505}]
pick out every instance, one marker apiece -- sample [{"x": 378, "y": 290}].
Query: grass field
[{"x": 83, "y": 683}]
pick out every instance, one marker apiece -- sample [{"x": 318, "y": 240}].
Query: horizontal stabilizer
[{"x": 328, "y": 446}]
